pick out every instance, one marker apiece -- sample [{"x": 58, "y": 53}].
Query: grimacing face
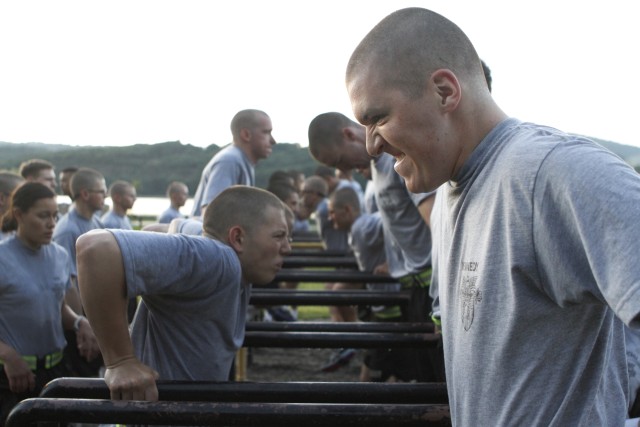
[
  {"x": 411, "y": 129},
  {"x": 265, "y": 248}
]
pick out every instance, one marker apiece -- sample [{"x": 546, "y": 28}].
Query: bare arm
[
  {"x": 72, "y": 296},
  {"x": 103, "y": 290},
  {"x": 20, "y": 377},
  {"x": 86, "y": 340}
]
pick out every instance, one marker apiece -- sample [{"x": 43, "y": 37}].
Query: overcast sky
[{"x": 126, "y": 72}]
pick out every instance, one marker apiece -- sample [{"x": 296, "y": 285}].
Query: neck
[
  {"x": 29, "y": 244},
  {"x": 84, "y": 211},
  {"x": 247, "y": 152},
  {"x": 119, "y": 210}
]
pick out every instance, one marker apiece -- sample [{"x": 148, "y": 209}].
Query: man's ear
[
  {"x": 348, "y": 134},
  {"x": 245, "y": 134},
  {"x": 447, "y": 89},
  {"x": 236, "y": 238}
]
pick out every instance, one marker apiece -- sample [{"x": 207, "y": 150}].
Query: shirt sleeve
[
  {"x": 586, "y": 209},
  {"x": 223, "y": 175}
]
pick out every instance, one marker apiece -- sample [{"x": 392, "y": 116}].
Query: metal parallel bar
[
  {"x": 274, "y": 392},
  {"x": 355, "y": 327},
  {"x": 315, "y": 251},
  {"x": 296, "y": 297},
  {"x": 320, "y": 261},
  {"x": 226, "y": 414},
  {"x": 339, "y": 339},
  {"x": 351, "y": 276},
  {"x": 306, "y": 237}
]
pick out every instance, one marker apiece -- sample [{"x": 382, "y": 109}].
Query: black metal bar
[
  {"x": 296, "y": 297},
  {"x": 355, "y": 327},
  {"x": 274, "y": 392},
  {"x": 351, "y": 276},
  {"x": 339, "y": 339},
  {"x": 314, "y": 251},
  {"x": 226, "y": 414},
  {"x": 320, "y": 261},
  {"x": 306, "y": 236}
]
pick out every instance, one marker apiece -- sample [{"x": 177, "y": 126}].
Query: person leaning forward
[
  {"x": 534, "y": 231},
  {"x": 194, "y": 291}
]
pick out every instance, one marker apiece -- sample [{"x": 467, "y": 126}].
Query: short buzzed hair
[
  {"x": 9, "y": 181},
  {"x": 346, "y": 196},
  {"x": 316, "y": 184},
  {"x": 175, "y": 187},
  {"x": 245, "y": 119},
  {"x": 84, "y": 179},
  {"x": 410, "y": 44},
  {"x": 238, "y": 205},
  {"x": 119, "y": 187},
  {"x": 325, "y": 131},
  {"x": 31, "y": 168}
]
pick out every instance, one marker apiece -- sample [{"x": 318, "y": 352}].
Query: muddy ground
[{"x": 298, "y": 364}]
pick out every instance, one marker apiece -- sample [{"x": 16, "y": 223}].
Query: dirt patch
[{"x": 298, "y": 364}]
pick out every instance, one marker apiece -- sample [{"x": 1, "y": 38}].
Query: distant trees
[{"x": 151, "y": 167}]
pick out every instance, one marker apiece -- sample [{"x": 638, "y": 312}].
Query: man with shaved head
[
  {"x": 194, "y": 291},
  {"x": 533, "y": 231},
  {"x": 235, "y": 164}
]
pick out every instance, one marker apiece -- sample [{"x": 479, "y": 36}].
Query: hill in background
[{"x": 152, "y": 167}]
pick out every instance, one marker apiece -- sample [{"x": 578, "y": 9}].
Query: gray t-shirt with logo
[{"x": 537, "y": 271}]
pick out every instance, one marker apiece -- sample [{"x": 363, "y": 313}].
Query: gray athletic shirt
[
  {"x": 407, "y": 236},
  {"x": 366, "y": 240},
  {"x": 191, "y": 319},
  {"x": 536, "y": 265},
  {"x": 113, "y": 220},
  {"x": 71, "y": 226},
  {"x": 230, "y": 166},
  {"x": 32, "y": 289}
]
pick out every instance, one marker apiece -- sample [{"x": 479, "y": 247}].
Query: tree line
[{"x": 150, "y": 168}]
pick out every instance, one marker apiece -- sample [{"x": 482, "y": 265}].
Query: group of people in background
[{"x": 515, "y": 239}]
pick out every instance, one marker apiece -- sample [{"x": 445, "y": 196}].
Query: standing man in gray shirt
[
  {"x": 235, "y": 164},
  {"x": 533, "y": 231}
]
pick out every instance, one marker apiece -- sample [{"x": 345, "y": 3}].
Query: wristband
[{"x": 76, "y": 323}]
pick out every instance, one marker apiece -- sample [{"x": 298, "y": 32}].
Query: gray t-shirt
[
  {"x": 113, "y": 220},
  {"x": 407, "y": 236},
  {"x": 230, "y": 166},
  {"x": 69, "y": 228},
  {"x": 333, "y": 239},
  {"x": 169, "y": 214},
  {"x": 537, "y": 270},
  {"x": 32, "y": 289},
  {"x": 191, "y": 319},
  {"x": 366, "y": 240}
]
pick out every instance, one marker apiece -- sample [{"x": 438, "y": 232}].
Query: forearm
[
  {"x": 8, "y": 353},
  {"x": 72, "y": 297},
  {"x": 103, "y": 291}
]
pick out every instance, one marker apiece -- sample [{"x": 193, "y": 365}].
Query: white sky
[{"x": 126, "y": 72}]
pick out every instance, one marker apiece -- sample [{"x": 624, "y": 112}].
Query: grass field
[{"x": 312, "y": 312}]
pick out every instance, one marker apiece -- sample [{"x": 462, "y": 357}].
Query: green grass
[{"x": 312, "y": 312}]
